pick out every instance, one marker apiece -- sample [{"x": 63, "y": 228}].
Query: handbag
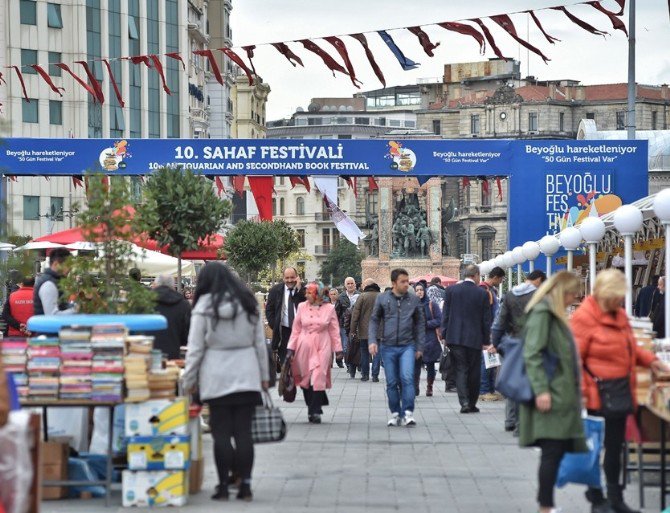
[
  {"x": 445, "y": 362},
  {"x": 437, "y": 330},
  {"x": 584, "y": 467},
  {"x": 616, "y": 398},
  {"x": 512, "y": 380},
  {"x": 268, "y": 424},
  {"x": 287, "y": 388}
]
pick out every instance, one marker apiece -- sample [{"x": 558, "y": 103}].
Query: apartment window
[
  {"x": 474, "y": 124},
  {"x": 54, "y": 57},
  {"x": 312, "y": 121},
  {"x": 56, "y": 208},
  {"x": 381, "y": 121},
  {"x": 361, "y": 121},
  {"x": 371, "y": 202},
  {"x": 282, "y": 210},
  {"x": 532, "y": 121},
  {"x": 28, "y": 12},
  {"x": 301, "y": 237},
  {"x": 437, "y": 127},
  {"x": 344, "y": 136},
  {"x": 133, "y": 32},
  {"x": 654, "y": 120},
  {"x": 54, "y": 18},
  {"x": 621, "y": 120},
  {"x": 28, "y": 57},
  {"x": 561, "y": 122},
  {"x": 396, "y": 123},
  {"x": 117, "y": 124},
  {"x": 410, "y": 124},
  {"x": 301, "y": 121},
  {"x": 590, "y": 115},
  {"x": 325, "y": 238},
  {"x": 274, "y": 206},
  {"x": 486, "y": 236},
  {"x": 55, "y": 112},
  {"x": 300, "y": 207},
  {"x": 31, "y": 208},
  {"x": 281, "y": 180},
  {"x": 30, "y": 110},
  {"x": 486, "y": 195}
]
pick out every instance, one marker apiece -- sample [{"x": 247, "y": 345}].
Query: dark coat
[
  {"x": 177, "y": 310},
  {"x": 432, "y": 350},
  {"x": 646, "y": 302},
  {"x": 466, "y": 316},
  {"x": 659, "y": 315},
  {"x": 273, "y": 309},
  {"x": 360, "y": 316}
]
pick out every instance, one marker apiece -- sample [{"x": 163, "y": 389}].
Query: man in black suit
[
  {"x": 280, "y": 309},
  {"x": 466, "y": 328},
  {"x": 647, "y": 299}
]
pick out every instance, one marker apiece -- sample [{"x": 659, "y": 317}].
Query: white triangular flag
[
  {"x": 345, "y": 225},
  {"x": 327, "y": 185}
]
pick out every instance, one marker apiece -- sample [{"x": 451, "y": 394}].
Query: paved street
[{"x": 353, "y": 462}]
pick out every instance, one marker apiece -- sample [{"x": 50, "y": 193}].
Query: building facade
[
  {"x": 220, "y": 95},
  {"x": 44, "y": 33}
]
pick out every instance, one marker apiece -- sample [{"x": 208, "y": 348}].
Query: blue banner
[{"x": 553, "y": 184}]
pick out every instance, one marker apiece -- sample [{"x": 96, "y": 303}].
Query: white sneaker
[
  {"x": 394, "y": 421},
  {"x": 408, "y": 419}
]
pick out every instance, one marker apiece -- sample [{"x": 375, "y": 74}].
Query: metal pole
[
  {"x": 632, "y": 89},
  {"x": 570, "y": 260},
  {"x": 667, "y": 271},
  {"x": 519, "y": 273},
  {"x": 593, "y": 248},
  {"x": 628, "y": 259},
  {"x": 549, "y": 265},
  {"x": 531, "y": 265},
  {"x": 510, "y": 278}
]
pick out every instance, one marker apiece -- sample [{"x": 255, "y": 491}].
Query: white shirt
[
  {"x": 352, "y": 298},
  {"x": 284, "y": 307}
]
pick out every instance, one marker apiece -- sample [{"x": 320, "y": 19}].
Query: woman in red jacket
[{"x": 608, "y": 351}]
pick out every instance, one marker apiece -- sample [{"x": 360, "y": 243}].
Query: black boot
[
  {"x": 599, "y": 504},
  {"x": 615, "y": 497},
  {"x": 245, "y": 492},
  {"x": 221, "y": 493}
]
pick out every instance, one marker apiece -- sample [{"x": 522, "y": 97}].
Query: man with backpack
[
  {"x": 490, "y": 285},
  {"x": 510, "y": 321}
]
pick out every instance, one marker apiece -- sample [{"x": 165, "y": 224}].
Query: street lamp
[
  {"x": 662, "y": 210},
  {"x": 570, "y": 239},
  {"x": 519, "y": 259},
  {"x": 628, "y": 220},
  {"x": 549, "y": 245},
  {"x": 593, "y": 231},
  {"x": 531, "y": 250}
]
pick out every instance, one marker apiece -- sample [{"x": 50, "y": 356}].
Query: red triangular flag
[
  {"x": 466, "y": 30},
  {"x": 114, "y": 85},
  {"x": 23, "y": 84},
  {"x": 508, "y": 26},
  {"x": 212, "y": 64},
  {"x": 549, "y": 38},
  {"x": 580, "y": 23},
  {"x": 47, "y": 79},
  {"x": 617, "y": 24},
  {"x": 427, "y": 45},
  {"x": 489, "y": 38},
  {"x": 500, "y": 190},
  {"x": 177, "y": 57},
  {"x": 342, "y": 50},
  {"x": 330, "y": 63},
  {"x": 238, "y": 185},
  {"x": 250, "y": 55},
  {"x": 466, "y": 181},
  {"x": 283, "y": 49},
  {"x": 371, "y": 58},
  {"x": 262, "y": 188},
  {"x": 485, "y": 186},
  {"x": 79, "y": 80},
  {"x": 158, "y": 66},
  {"x": 237, "y": 60},
  {"x": 372, "y": 184},
  {"x": 76, "y": 181},
  {"x": 219, "y": 185},
  {"x": 100, "y": 96}
]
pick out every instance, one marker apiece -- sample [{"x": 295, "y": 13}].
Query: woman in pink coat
[{"x": 314, "y": 339}]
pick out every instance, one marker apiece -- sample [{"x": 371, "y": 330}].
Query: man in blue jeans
[
  {"x": 490, "y": 285},
  {"x": 401, "y": 339}
]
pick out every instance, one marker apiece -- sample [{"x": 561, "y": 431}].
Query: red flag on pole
[
  {"x": 219, "y": 185},
  {"x": 238, "y": 185},
  {"x": 372, "y": 184},
  {"x": 261, "y": 188}
]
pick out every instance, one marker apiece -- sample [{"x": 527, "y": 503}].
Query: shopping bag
[
  {"x": 584, "y": 467},
  {"x": 512, "y": 380},
  {"x": 268, "y": 424},
  {"x": 287, "y": 388}
]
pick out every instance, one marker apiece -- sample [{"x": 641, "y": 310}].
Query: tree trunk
[{"x": 179, "y": 284}]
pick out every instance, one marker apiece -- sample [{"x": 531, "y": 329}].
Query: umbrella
[
  {"x": 446, "y": 281},
  {"x": 38, "y": 245},
  {"x": 82, "y": 246},
  {"x": 6, "y": 246}
]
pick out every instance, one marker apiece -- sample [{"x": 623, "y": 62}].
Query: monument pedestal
[{"x": 380, "y": 270}]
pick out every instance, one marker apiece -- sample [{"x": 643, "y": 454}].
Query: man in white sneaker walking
[{"x": 400, "y": 342}]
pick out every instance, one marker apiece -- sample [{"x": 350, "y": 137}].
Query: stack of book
[
  {"x": 137, "y": 364},
  {"x": 43, "y": 368},
  {"x": 76, "y": 362},
  {"x": 108, "y": 347},
  {"x": 14, "y": 360},
  {"x": 163, "y": 383}
]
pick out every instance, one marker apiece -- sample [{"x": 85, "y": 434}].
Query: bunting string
[{"x": 476, "y": 28}]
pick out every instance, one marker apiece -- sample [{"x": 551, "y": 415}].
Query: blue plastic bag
[
  {"x": 584, "y": 467},
  {"x": 14, "y": 403}
]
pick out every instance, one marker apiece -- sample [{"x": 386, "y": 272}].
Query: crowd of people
[{"x": 571, "y": 360}]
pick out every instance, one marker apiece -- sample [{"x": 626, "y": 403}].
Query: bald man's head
[
  {"x": 350, "y": 285},
  {"x": 367, "y": 282}
]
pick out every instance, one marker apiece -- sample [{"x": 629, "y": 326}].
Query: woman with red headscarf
[{"x": 314, "y": 339}]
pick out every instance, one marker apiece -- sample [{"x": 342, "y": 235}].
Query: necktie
[{"x": 291, "y": 308}]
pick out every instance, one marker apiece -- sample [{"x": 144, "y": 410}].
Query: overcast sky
[{"x": 580, "y": 55}]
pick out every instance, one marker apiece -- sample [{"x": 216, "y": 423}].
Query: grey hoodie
[
  {"x": 227, "y": 357},
  {"x": 512, "y": 314}
]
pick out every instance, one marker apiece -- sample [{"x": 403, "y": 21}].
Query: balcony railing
[
  {"x": 322, "y": 250},
  {"x": 322, "y": 217}
]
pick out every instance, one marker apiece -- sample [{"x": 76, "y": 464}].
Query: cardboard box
[
  {"x": 159, "y": 452},
  {"x": 53, "y": 467},
  {"x": 147, "y": 489},
  {"x": 196, "y": 476},
  {"x": 159, "y": 417}
]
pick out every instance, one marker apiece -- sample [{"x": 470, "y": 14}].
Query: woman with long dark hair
[{"x": 227, "y": 360}]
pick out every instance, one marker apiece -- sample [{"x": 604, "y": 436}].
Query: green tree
[
  {"x": 344, "y": 260},
  {"x": 257, "y": 247},
  {"x": 102, "y": 285},
  {"x": 181, "y": 210}
]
